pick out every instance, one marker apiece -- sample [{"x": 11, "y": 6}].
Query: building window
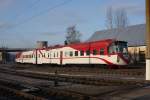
[
  {"x": 71, "y": 53},
  {"x": 87, "y": 52},
  {"x": 39, "y": 55},
  {"x": 94, "y": 52},
  {"x": 102, "y": 51},
  {"x": 82, "y": 53},
  {"x": 76, "y": 53}
]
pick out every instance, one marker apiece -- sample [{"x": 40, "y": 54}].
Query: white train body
[{"x": 99, "y": 52}]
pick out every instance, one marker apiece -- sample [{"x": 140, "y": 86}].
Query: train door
[
  {"x": 61, "y": 57},
  {"x": 141, "y": 56},
  {"x": 36, "y": 58},
  {"x": 50, "y": 56}
]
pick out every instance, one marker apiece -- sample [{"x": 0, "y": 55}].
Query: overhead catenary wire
[
  {"x": 20, "y": 14},
  {"x": 42, "y": 12},
  {"x": 39, "y": 14},
  {"x": 29, "y": 7}
]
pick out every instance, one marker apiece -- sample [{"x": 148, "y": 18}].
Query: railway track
[
  {"x": 53, "y": 92},
  {"x": 46, "y": 91},
  {"x": 13, "y": 90},
  {"x": 24, "y": 91},
  {"x": 131, "y": 71},
  {"x": 89, "y": 80}
]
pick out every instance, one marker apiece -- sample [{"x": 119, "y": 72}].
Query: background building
[
  {"x": 1, "y": 57},
  {"x": 134, "y": 35},
  {"x": 42, "y": 44},
  {"x": 4, "y": 57}
]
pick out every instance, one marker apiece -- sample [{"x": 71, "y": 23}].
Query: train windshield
[{"x": 119, "y": 47}]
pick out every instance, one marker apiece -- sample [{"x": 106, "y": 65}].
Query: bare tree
[
  {"x": 117, "y": 19},
  {"x": 73, "y": 36},
  {"x": 120, "y": 18},
  {"x": 109, "y": 18}
]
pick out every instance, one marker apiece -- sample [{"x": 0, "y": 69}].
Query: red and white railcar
[{"x": 109, "y": 52}]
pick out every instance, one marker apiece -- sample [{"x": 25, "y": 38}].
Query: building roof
[{"x": 134, "y": 35}]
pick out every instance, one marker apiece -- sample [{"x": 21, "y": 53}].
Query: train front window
[{"x": 119, "y": 47}]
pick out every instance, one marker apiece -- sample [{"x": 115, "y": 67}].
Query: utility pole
[{"x": 147, "y": 39}]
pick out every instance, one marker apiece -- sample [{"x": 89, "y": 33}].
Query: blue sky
[{"x": 18, "y": 27}]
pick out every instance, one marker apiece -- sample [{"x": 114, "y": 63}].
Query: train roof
[{"x": 104, "y": 41}]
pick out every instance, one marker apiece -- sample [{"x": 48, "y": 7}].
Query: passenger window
[
  {"x": 57, "y": 54},
  {"x": 44, "y": 55},
  {"x": 71, "y": 53},
  {"x": 102, "y": 51},
  {"x": 54, "y": 55},
  {"x": 66, "y": 54},
  {"x": 94, "y": 52},
  {"x": 82, "y": 53},
  {"x": 87, "y": 52},
  {"x": 76, "y": 53}
]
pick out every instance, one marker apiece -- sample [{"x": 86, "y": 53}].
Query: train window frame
[
  {"x": 102, "y": 51},
  {"x": 95, "y": 52},
  {"x": 76, "y": 53},
  {"x": 88, "y": 52},
  {"x": 81, "y": 53}
]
